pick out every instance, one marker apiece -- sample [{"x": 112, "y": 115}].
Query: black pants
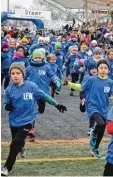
[
  {"x": 6, "y": 82},
  {"x": 108, "y": 171},
  {"x": 81, "y": 77},
  {"x": 53, "y": 88},
  {"x": 19, "y": 135},
  {"x": 41, "y": 106},
  {"x": 99, "y": 128},
  {"x": 74, "y": 78},
  {"x": 91, "y": 123}
]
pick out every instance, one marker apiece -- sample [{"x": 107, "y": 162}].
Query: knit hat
[
  {"x": 18, "y": 65},
  {"x": 57, "y": 45},
  {"x": 47, "y": 39},
  {"x": 98, "y": 50},
  {"x": 84, "y": 45},
  {"x": 92, "y": 65},
  {"x": 94, "y": 42},
  {"x": 41, "y": 39},
  {"x": 37, "y": 54},
  {"x": 24, "y": 39},
  {"x": 102, "y": 62},
  {"x": 5, "y": 45}
]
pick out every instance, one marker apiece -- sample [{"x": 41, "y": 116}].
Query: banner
[{"x": 33, "y": 14}]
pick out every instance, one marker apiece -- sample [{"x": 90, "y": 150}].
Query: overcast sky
[{"x": 25, "y": 3}]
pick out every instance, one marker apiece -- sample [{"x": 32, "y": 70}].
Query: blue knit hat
[{"x": 92, "y": 65}]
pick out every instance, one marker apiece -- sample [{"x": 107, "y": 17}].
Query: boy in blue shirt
[
  {"x": 98, "y": 89},
  {"x": 21, "y": 102}
]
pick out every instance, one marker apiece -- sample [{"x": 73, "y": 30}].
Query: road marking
[
  {"x": 57, "y": 159},
  {"x": 74, "y": 141}
]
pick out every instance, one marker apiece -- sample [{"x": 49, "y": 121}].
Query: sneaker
[
  {"x": 93, "y": 139},
  {"x": 57, "y": 92},
  {"x": 95, "y": 153},
  {"x": 89, "y": 131},
  {"x": 23, "y": 153},
  {"x": 4, "y": 171}
]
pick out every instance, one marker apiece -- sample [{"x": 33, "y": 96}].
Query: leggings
[
  {"x": 6, "y": 82},
  {"x": 19, "y": 135},
  {"x": 74, "y": 78},
  {"x": 99, "y": 128}
]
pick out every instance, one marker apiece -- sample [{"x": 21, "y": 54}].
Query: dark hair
[
  {"x": 110, "y": 50},
  {"x": 21, "y": 48},
  {"x": 102, "y": 62}
]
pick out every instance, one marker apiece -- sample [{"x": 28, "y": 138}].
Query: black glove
[
  {"x": 9, "y": 107},
  {"x": 82, "y": 107},
  {"x": 61, "y": 107}
]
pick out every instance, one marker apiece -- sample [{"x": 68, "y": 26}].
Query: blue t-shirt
[
  {"x": 97, "y": 94},
  {"x": 24, "y": 99}
]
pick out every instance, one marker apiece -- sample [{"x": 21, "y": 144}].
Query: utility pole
[
  {"x": 8, "y": 12},
  {"x": 86, "y": 10}
]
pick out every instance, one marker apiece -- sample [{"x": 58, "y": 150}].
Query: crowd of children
[{"x": 32, "y": 69}]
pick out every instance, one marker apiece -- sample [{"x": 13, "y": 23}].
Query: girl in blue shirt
[
  {"x": 40, "y": 73},
  {"x": 21, "y": 102},
  {"x": 54, "y": 67}
]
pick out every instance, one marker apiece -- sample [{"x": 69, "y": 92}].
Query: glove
[
  {"x": 82, "y": 107},
  {"x": 9, "y": 107},
  {"x": 61, "y": 107},
  {"x": 65, "y": 83},
  {"x": 57, "y": 83}
]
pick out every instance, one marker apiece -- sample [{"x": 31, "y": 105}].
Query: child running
[
  {"x": 97, "y": 89},
  {"x": 40, "y": 73},
  {"x": 54, "y": 67},
  {"x": 21, "y": 102}
]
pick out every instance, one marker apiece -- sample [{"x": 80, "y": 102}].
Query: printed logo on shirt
[
  {"x": 106, "y": 89},
  {"x": 28, "y": 96},
  {"x": 61, "y": 57},
  {"x": 42, "y": 72}
]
